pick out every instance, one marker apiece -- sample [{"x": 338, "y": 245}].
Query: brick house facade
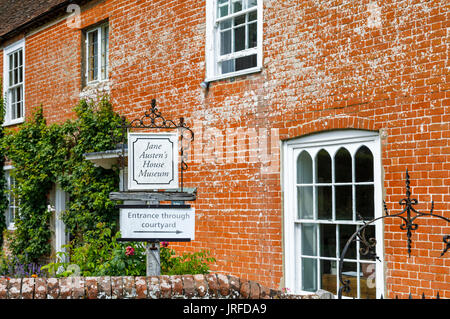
[{"x": 315, "y": 78}]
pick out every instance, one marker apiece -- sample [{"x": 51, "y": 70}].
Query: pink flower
[
  {"x": 164, "y": 243},
  {"x": 129, "y": 251}
]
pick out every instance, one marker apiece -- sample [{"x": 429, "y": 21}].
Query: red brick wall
[{"x": 375, "y": 65}]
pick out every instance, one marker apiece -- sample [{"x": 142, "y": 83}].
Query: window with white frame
[
  {"x": 14, "y": 82},
  {"x": 331, "y": 179},
  {"x": 233, "y": 37},
  {"x": 13, "y": 202},
  {"x": 96, "y": 53}
]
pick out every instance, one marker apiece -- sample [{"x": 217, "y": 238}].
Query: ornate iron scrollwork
[{"x": 408, "y": 225}]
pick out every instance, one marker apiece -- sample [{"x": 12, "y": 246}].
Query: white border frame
[
  {"x": 211, "y": 44},
  {"x": 338, "y": 138},
  {"x": 173, "y": 138},
  {"x": 6, "y": 51}
]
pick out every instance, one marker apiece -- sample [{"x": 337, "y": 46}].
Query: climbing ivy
[
  {"x": 43, "y": 155},
  {"x": 31, "y": 149},
  {"x": 3, "y": 194},
  {"x": 94, "y": 130}
]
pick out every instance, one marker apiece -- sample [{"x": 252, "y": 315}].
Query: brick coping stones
[{"x": 210, "y": 286}]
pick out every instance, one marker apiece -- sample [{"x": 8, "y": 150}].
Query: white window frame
[
  {"x": 213, "y": 43},
  {"x": 7, "y": 169},
  {"x": 291, "y": 150},
  {"x": 19, "y": 45},
  {"x": 100, "y": 34}
]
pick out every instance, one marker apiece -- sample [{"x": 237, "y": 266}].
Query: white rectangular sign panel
[
  {"x": 170, "y": 224},
  {"x": 152, "y": 161}
]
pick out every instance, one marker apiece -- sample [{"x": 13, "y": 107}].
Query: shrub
[{"x": 102, "y": 255}]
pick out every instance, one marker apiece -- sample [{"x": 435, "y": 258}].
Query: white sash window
[
  {"x": 14, "y": 82},
  {"x": 97, "y": 53},
  {"x": 233, "y": 37},
  {"x": 330, "y": 179}
]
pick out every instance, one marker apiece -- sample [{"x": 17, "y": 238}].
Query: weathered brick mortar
[{"x": 215, "y": 286}]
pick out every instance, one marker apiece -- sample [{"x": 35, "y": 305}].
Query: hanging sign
[
  {"x": 152, "y": 161},
  {"x": 158, "y": 224}
]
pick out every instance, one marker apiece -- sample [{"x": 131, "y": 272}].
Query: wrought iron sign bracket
[{"x": 153, "y": 119}]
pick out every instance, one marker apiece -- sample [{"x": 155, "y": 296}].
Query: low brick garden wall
[{"x": 215, "y": 286}]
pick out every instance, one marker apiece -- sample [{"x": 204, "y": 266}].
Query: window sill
[
  {"x": 234, "y": 74},
  {"x": 14, "y": 122}
]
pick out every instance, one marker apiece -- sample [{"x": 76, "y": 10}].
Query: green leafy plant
[
  {"x": 43, "y": 155},
  {"x": 93, "y": 130},
  {"x": 102, "y": 255},
  {"x": 3, "y": 194},
  {"x": 99, "y": 255},
  {"x": 33, "y": 150},
  {"x": 187, "y": 263}
]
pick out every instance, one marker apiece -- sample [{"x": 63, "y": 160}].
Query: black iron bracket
[
  {"x": 408, "y": 225},
  {"x": 153, "y": 119}
]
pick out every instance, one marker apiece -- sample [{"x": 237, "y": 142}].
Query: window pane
[
  {"x": 239, "y": 39},
  {"x": 309, "y": 274},
  {"x": 15, "y": 76},
  {"x": 252, "y": 16},
  {"x": 20, "y": 74},
  {"x": 309, "y": 242},
  {"x": 11, "y": 62},
  {"x": 343, "y": 202},
  {"x": 225, "y": 25},
  {"x": 19, "y": 110},
  {"x": 223, "y": 11},
  {"x": 364, "y": 165},
  {"x": 20, "y": 57},
  {"x": 225, "y": 42},
  {"x": 305, "y": 202},
  {"x": 327, "y": 240},
  {"x": 367, "y": 283},
  {"x": 93, "y": 55},
  {"x": 227, "y": 66},
  {"x": 246, "y": 62},
  {"x": 343, "y": 166},
  {"x": 324, "y": 202},
  {"x": 345, "y": 233},
  {"x": 323, "y": 167},
  {"x": 18, "y": 93},
  {"x": 237, "y": 6},
  {"x": 251, "y": 3},
  {"x": 365, "y": 201},
  {"x": 239, "y": 20},
  {"x": 328, "y": 276},
  {"x": 16, "y": 59},
  {"x": 304, "y": 168},
  {"x": 252, "y": 35}
]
